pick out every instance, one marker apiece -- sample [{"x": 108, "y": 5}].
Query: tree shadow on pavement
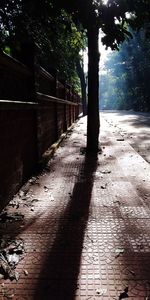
[{"x": 59, "y": 274}]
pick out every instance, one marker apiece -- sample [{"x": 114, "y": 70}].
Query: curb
[{"x": 48, "y": 154}]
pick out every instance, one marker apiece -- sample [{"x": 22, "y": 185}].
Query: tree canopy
[
  {"x": 22, "y": 19},
  {"x": 53, "y": 31}
]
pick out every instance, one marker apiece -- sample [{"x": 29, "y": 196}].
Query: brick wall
[
  {"x": 46, "y": 127},
  {"x": 54, "y": 117},
  {"x": 18, "y": 149},
  {"x": 60, "y": 118},
  {"x": 32, "y": 118},
  {"x": 27, "y": 131}
]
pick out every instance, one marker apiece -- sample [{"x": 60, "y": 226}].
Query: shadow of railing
[{"x": 59, "y": 274}]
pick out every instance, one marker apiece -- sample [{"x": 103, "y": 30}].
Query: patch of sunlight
[
  {"x": 105, "y": 1},
  {"x": 103, "y": 54}
]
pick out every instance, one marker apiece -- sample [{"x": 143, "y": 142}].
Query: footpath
[{"x": 80, "y": 230}]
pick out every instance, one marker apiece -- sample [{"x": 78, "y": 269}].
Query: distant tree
[{"x": 127, "y": 73}]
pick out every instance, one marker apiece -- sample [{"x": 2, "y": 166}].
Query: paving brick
[{"x": 87, "y": 236}]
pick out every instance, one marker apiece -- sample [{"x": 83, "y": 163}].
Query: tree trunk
[
  {"x": 93, "y": 122},
  {"x": 83, "y": 86}
]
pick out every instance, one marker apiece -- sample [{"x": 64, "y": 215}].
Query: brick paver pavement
[{"x": 86, "y": 225}]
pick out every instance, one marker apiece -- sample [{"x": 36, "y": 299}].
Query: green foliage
[
  {"x": 7, "y": 50},
  {"x": 66, "y": 43},
  {"x": 52, "y": 30},
  {"x": 126, "y": 76}
]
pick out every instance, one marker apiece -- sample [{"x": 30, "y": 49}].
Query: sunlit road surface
[{"x": 133, "y": 127}]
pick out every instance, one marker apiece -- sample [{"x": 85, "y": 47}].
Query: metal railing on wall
[{"x": 20, "y": 82}]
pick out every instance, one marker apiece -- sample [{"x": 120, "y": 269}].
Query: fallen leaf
[
  {"x": 51, "y": 198},
  {"x": 119, "y": 251},
  {"x": 33, "y": 180},
  {"x": 45, "y": 188},
  {"x": 13, "y": 259},
  {"x": 132, "y": 272},
  {"x": 10, "y": 256},
  {"x": 82, "y": 150},
  {"x": 124, "y": 294},
  {"x": 101, "y": 291},
  {"x": 120, "y": 140},
  {"x": 34, "y": 200},
  {"x": 10, "y": 217},
  {"x": 26, "y": 272},
  {"x": 117, "y": 201},
  {"x": 10, "y": 296},
  {"x": 105, "y": 171},
  {"x": 104, "y": 186},
  {"x": 21, "y": 194},
  {"x": 17, "y": 276}
]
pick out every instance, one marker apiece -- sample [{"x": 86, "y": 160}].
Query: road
[{"x": 133, "y": 127}]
